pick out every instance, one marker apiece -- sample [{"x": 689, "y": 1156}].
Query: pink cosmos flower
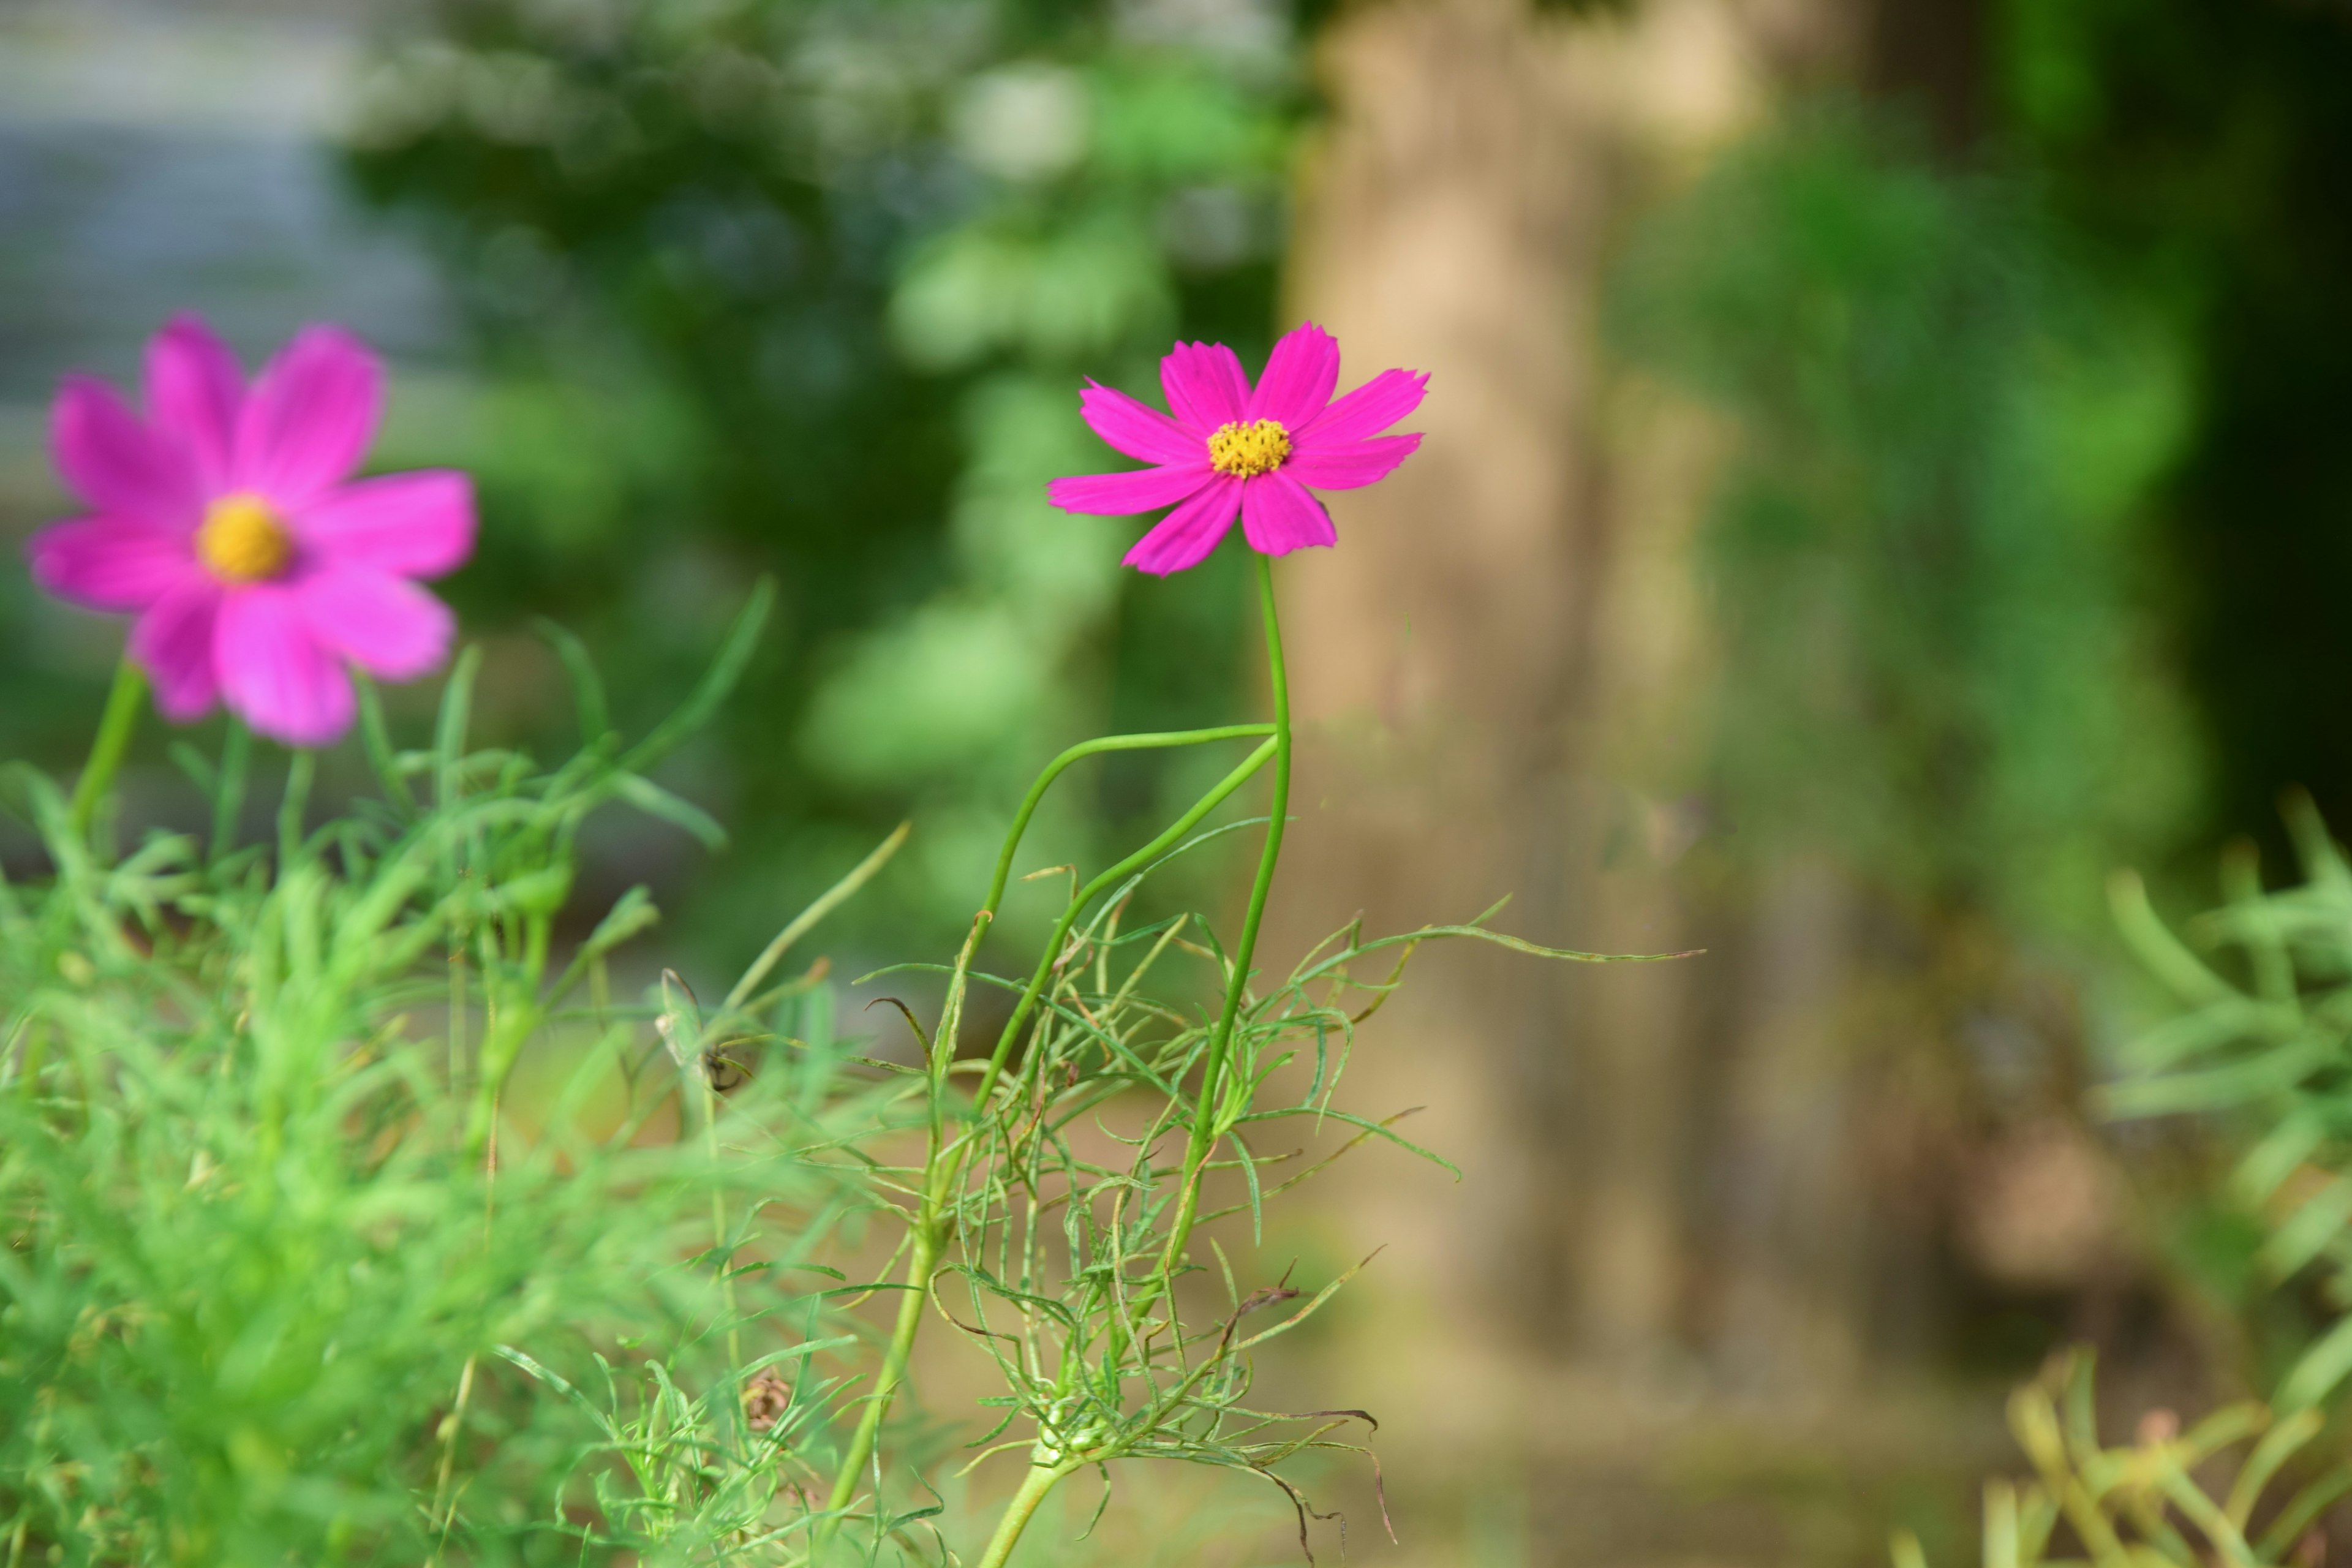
[
  {"x": 228, "y": 522},
  {"x": 1237, "y": 450}
]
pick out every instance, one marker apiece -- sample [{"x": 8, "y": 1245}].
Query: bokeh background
[{"x": 1887, "y": 466}]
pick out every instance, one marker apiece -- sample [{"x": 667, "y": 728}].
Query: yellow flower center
[
  {"x": 1248, "y": 450},
  {"x": 243, "y": 540}
]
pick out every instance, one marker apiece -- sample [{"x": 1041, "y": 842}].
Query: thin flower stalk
[
  {"x": 1205, "y": 1120},
  {"x": 116, "y": 725}
]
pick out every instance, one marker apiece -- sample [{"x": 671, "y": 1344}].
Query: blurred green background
[{"x": 1887, "y": 469}]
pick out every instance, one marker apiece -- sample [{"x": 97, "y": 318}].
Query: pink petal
[
  {"x": 173, "y": 643},
  {"x": 1350, "y": 465},
  {"x": 274, "y": 672},
  {"x": 1116, "y": 495},
  {"x": 1278, "y": 516},
  {"x": 1137, "y": 430},
  {"x": 1185, "y": 536},
  {"x": 386, "y": 624},
  {"x": 1204, "y": 385},
  {"x": 104, "y": 563},
  {"x": 116, "y": 463},
  {"x": 195, "y": 387},
  {"x": 308, "y": 418},
  {"x": 418, "y": 525},
  {"x": 1298, "y": 379},
  {"x": 1369, "y": 410}
]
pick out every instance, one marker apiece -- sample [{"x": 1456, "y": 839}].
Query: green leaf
[
  {"x": 654, "y": 801},
  {"x": 725, "y": 671},
  {"x": 587, "y": 686},
  {"x": 2321, "y": 1368}
]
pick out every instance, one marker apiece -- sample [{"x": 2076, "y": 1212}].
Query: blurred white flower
[{"x": 1023, "y": 122}]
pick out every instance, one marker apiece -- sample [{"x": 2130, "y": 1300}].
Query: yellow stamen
[
  {"x": 243, "y": 540},
  {"x": 1248, "y": 450}
]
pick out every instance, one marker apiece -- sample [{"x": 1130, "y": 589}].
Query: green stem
[
  {"x": 36, "y": 1054},
  {"x": 512, "y": 1009},
  {"x": 1079, "y": 753},
  {"x": 723, "y": 1253},
  {"x": 924, "y": 1259},
  {"x": 115, "y": 727},
  {"x": 449, "y": 1428},
  {"x": 1041, "y": 1479},
  {"x": 236, "y": 757},
  {"x": 929, "y": 1239},
  {"x": 1205, "y": 1120},
  {"x": 801, "y": 924},
  {"x": 1173, "y": 835},
  {"x": 456, "y": 1009},
  {"x": 299, "y": 774}
]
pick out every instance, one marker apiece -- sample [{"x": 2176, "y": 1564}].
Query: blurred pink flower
[
  {"x": 228, "y": 522},
  {"x": 1234, "y": 451}
]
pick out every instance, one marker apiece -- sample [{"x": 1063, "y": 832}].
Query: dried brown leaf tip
[{"x": 765, "y": 1399}]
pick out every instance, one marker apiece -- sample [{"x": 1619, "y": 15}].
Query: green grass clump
[{"x": 264, "y": 1244}]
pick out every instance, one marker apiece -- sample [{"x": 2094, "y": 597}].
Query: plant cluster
[
  {"x": 2258, "y": 1035},
  {"x": 352, "y": 1212}
]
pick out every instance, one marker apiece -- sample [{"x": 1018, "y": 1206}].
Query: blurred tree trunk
[
  {"x": 1664, "y": 1159},
  {"x": 1928, "y": 57}
]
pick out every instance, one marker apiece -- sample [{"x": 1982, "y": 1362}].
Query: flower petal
[
  {"x": 1369, "y": 410},
  {"x": 116, "y": 463},
  {"x": 419, "y": 524},
  {"x": 1278, "y": 516},
  {"x": 1204, "y": 385},
  {"x": 274, "y": 672},
  {"x": 1350, "y": 465},
  {"x": 1185, "y": 536},
  {"x": 1138, "y": 430},
  {"x": 173, "y": 643},
  {"x": 1116, "y": 495},
  {"x": 386, "y": 624},
  {"x": 1298, "y": 379},
  {"x": 195, "y": 387},
  {"x": 308, "y": 418},
  {"x": 105, "y": 563}
]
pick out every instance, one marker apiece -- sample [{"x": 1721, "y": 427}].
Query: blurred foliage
[
  {"x": 257, "y": 1261},
  {"x": 768, "y": 285},
  {"x": 2145, "y": 1502},
  {"x": 2256, "y": 1035},
  {"x": 2252, "y": 1038},
  {"x": 1922, "y": 554},
  {"x": 2198, "y": 154}
]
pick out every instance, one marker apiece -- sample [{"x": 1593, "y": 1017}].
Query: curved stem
[
  {"x": 1150, "y": 852},
  {"x": 115, "y": 727},
  {"x": 1041, "y": 1479},
  {"x": 1079, "y": 753},
  {"x": 1204, "y": 1118}
]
